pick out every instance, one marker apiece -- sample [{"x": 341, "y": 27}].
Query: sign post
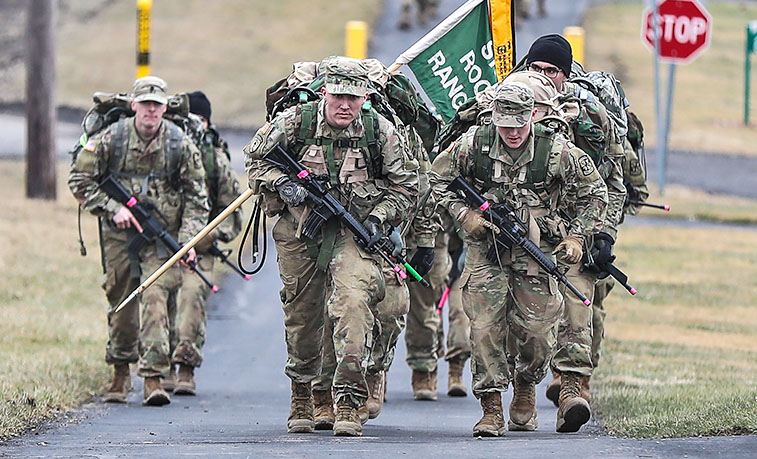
[
  {"x": 677, "y": 31},
  {"x": 144, "y": 8},
  {"x": 751, "y": 47}
]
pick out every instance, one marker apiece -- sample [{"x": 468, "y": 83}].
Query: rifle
[
  {"x": 151, "y": 228},
  {"x": 454, "y": 274},
  {"x": 603, "y": 269},
  {"x": 512, "y": 232},
  {"x": 224, "y": 257},
  {"x": 324, "y": 206},
  {"x": 635, "y": 202}
]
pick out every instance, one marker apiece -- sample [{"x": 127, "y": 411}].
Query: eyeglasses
[{"x": 549, "y": 71}]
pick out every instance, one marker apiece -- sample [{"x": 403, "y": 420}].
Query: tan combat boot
[
  {"x": 553, "y": 388},
  {"x": 347, "y": 421},
  {"x": 492, "y": 424},
  {"x": 324, "y": 409},
  {"x": 185, "y": 381},
  {"x": 455, "y": 384},
  {"x": 574, "y": 411},
  {"x": 169, "y": 383},
  {"x": 376, "y": 391},
  {"x": 120, "y": 386},
  {"x": 301, "y": 418},
  {"x": 363, "y": 414},
  {"x": 404, "y": 23},
  {"x": 154, "y": 393},
  {"x": 585, "y": 393},
  {"x": 424, "y": 385},
  {"x": 523, "y": 406}
]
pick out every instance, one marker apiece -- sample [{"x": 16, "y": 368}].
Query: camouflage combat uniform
[
  {"x": 176, "y": 187},
  {"x": 595, "y": 133},
  {"x": 517, "y": 302},
  {"x": 189, "y": 318},
  {"x": 353, "y": 277}
]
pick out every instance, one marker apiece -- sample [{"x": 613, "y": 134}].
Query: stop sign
[{"x": 685, "y": 28}]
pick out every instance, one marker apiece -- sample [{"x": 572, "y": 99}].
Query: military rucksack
[{"x": 610, "y": 93}]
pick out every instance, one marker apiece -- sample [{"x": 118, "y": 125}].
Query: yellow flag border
[{"x": 502, "y": 19}]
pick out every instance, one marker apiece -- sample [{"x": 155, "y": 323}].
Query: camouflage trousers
[
  {"x": 350, "y": 288},
  {"x": 123, "y": 326},
  {"x": 390, "y": 321},
  {"x": 154, "y": 333},
  {"x": 513, "y": 317},
  {"x": 601, "y": 292},
  {"x": 458, "y": 331},
  {"x": 424, "y": 335},
  {"x": 187, "y": 316},
  {"x": 574, "y": 335}
]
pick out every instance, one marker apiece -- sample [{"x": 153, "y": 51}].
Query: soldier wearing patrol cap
[
  {"x": 360, "y": 153},
  {"x": 156, "y": 162},
  {"x": 511, "y": 302}
]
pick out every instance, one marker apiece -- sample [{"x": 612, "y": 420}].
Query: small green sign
[{"x": 751, "y": 37}]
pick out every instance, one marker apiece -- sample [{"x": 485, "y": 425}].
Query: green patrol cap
[
  {"x": 150, "y": 88},
  {"x": 512, "y": 105},
  {"x": 345, "y": 75}
]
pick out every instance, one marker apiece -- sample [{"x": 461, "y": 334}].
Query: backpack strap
[
  {"x": 483, "y": 139},
  {"x": 117, "y": 146}
]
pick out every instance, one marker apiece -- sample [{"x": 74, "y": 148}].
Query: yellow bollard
[
  {"x": 356, "y": 43},
  {"x": 144, "y": 8},
  {"x": 576, "y": 38}
]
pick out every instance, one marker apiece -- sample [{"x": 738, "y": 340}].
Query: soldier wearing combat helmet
[
  {"x": 510, "y": 301},
  {"x": 360, "y": 153}
]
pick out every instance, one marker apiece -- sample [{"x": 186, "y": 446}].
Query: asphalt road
[{"x": 242, "y": 402}]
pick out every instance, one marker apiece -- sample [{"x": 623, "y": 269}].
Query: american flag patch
[{"x": 91, "y": 145}]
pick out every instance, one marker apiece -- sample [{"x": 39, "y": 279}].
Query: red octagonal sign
[{"x": 685, "y": 29}]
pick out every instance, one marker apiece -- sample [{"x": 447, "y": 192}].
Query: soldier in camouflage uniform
[
  {"x": 188, "y": 318},
  {"x": 513, "y": 304},
  {"x": 156, "y": 161},
  {"x": 572, "y": 360},
  {"x": 592, "y": 129},
  {"x": 361, "y": 154},
  {"x": 391, "y": 311}
]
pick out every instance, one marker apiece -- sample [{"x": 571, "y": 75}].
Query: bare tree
[{"x": 40, "y": 100}]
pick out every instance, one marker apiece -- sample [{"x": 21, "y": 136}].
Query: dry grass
[
  {"x": 692, "y": 204},
  {"x": 680, "y": 358},
  {"x": 233, "y": 50},
  {"x": 709, "y": 93}
]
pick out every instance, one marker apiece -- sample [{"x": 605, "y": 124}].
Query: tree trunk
[{"x": 40, "y": 100}]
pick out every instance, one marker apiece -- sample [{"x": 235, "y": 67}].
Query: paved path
[{"x": 242, "y": 404}]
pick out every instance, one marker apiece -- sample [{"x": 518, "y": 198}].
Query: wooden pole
[
  {"x": 40, "y": 100},
  {"x": 187, "y": 247}
]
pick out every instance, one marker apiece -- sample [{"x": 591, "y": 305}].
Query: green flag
[{"x": 455, "y": 60}]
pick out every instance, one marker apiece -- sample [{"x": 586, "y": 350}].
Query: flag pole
[{"x": 187, "y": 247}]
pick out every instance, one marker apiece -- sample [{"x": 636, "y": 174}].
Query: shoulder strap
[
  {"x": 543, "y": 140},
  {"x": 306, "y": 132},
  {"x": 483, "y": 139},
  {"x": 117, "y": 146},
  {"x": 175, "y": 135},
  {"x": 371, "y": 129}
]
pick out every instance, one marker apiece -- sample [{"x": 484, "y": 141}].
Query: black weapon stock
[
  {"x": 151, "y": 226},
  {"x": 512, "y": 232},
  {"x": 324, "y": 206}
]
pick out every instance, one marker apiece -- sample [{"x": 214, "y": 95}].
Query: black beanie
[
  {"x": 199, "y": 104},
  {"x": 552, "y": 48}
]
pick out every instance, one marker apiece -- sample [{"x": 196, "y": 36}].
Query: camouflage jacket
[
  {"x": 222, "y": 184},
  {"x": 567, "y": 167},
  {"x": 635, "y": 178},
  {"x": 426, "y": 222},
  {"x": 594, "y": 132},
  {"x": 179, "y": 195},
  {"x": 389, "y": 197}
]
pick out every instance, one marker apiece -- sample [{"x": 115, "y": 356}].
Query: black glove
[
  {"x": 600, "y": 253},
  {"x": 422, "y": 260},
  {"x": 373, "y": 225},
  {"x": 292, "y": 193}
]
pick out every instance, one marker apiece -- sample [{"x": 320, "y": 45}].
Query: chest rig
[
  {"x": 119, "y": 146},
  {"x": 360, "y": 163}
]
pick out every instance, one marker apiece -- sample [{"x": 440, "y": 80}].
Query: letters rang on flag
[{"x": 456, "y": 60}]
